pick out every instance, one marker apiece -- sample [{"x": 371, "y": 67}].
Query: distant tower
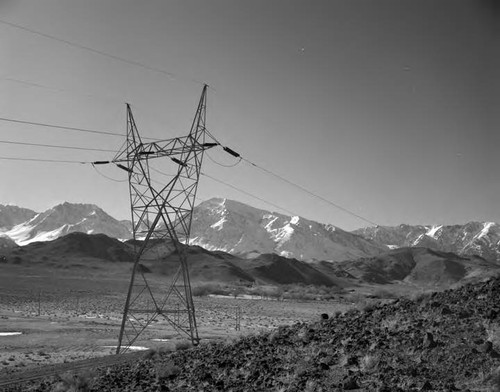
[{"x": 161, "y": 221}]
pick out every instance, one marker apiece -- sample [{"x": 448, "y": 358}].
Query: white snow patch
[
  {"x": 432, "y": 231},
  {"x": 219, "y": 225},
  {"x": 294, "y": 220},
  {"x": 283, "y": 235},
  {"x": 417, "y": 241},
  {"x": 269, "y": 225},
  {"x": 132, "y": 348},
  {"x": 21, "y": 234},
  {"x": 485, "y": 230},
  {"x": 392, "y": 246},
  {"x": 286, "y": 253},
  {"x": 10, "y": 333}
]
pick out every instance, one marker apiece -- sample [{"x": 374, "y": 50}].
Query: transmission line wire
[
  {"x": 55, "y": 146},
  {"x": 221, "y": 164},
  {"x": 75, "y": 129},
  {"x": 281, "y": 178},
  {"x": 43, "y": 160},
  {"x": 62, "y": 90},
  {"x": 105, "y": 176},
  {"x": 310, "y": 192},
  {"x": 247, "y": 193},
  {"x": 96, "y": 51}
]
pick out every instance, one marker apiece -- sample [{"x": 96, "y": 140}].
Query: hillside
[
  {"x": 419, "y": 266},
  {"x": 63, "y": 219},
  {"x": 447, "y": 341},
  {"x": 71, "y": 247},
  {"x": 237, "y": 228},
  {"x": 11, "y": 216}
]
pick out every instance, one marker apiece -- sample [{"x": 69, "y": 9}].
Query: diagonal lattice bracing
[{"x": 159, "y": 294}]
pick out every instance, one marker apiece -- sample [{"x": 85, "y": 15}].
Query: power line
[
  {"x": 233, "y": 187},
  {"x": 12, "y": 120},
  {"x": 96, "y": 51},
  {"x": 74, "y": 129},
  {"x": 310, "y": 193},
  {"x": 281, "y": 178},
  {"x": 248, "y": 193},
  {"x": 43, "y": 160},
  {"x": 55, "y": 146},
  {"x": 221, "y": 164},
  {"x": 105, "y": 176},
  {"x": 114, "y": 99}
]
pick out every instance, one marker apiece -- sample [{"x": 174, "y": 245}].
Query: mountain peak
[
  {"x": 66, "y": 218},
  {"x": 237, "y": 228}
]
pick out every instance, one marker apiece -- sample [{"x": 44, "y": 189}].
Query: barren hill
[
  {"x": 447, "y": 341},
  {"x": 419, "y": 266}
]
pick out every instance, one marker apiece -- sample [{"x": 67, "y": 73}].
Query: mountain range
[
  {"x": 418, "y": 267},
  {"x": 247, "y": 232},
  {"x": 25, "y": 226},
  {"x": 473, "y": 238}
]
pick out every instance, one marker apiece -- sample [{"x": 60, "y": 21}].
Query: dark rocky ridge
[
  {"x": 448, "y": 341},
  {"x": 473, "y": 238}
]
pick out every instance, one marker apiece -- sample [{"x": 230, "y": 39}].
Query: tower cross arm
[{"x": 166, "y": 148}]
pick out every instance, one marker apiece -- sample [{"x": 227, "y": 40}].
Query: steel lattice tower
[{"x": 161, "y": 219}]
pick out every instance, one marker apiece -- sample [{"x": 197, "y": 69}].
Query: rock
[
  {"x": 429, "y": 341},
  {"x": 324, "y": 316},
  {"x": 485, "y": 347},
  {"x": 350, "y": 383}
]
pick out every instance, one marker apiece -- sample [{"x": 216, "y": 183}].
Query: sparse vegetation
[{"x": 71, "y": 382}]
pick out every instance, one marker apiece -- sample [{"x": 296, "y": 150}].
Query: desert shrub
[
  {"x": 369, "y": 363},
  {"x": 421, "y": 296},
  {"x": 368, "y": 305},
  {"x": 70, "y": 382},
  {"x": 183, "y": 345},
  {"x": 166, "y": 370},
  {"x": 383, "y": 293},
  {"x": 205, "y": 289},
  {"x": 493, "y": 333},
  {"x": 309, "y": 293}
]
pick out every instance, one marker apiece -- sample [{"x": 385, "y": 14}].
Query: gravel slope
[{"x": 447, "y": 341}]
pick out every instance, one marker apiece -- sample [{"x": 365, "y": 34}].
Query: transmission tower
[{"x": 161, "y": 220}]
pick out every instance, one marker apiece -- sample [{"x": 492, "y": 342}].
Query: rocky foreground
[{"x": 447, "y": 341}]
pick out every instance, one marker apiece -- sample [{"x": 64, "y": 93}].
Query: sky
[{"x": 388, "y": 108}]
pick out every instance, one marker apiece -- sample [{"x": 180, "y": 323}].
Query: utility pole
[{"x": 161, "y": 219}]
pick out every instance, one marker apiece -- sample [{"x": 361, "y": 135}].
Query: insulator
[
  {"x": 210, "y": 145},
  {"x": 100, "y": 162},
  {"x": 178, "y": 161},
  {"x": 146, "y": 152},
  {"x": 124, "y": 168},
  {"x": 232, "y": 152}
]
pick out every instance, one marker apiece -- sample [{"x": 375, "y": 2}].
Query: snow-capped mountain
[
  {"x": 11, "y": 216},
  {"x": 473, "y": 238},
  {"x": 63, "y": 219},
  {"x": 237, "y": 228}
]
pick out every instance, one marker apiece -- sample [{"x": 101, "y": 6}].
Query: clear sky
[{"x": 387, "y": 108}]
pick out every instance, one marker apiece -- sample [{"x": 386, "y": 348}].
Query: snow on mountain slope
[
  {"x": 473, "y": 238},
  {"x": 11, "y": 216},
  {"x": 67, "y": 218},
  {"x": 237, "y": 228}
]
